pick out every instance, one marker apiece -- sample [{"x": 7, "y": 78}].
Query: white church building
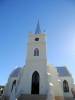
[{"x": 36, "y": 77}]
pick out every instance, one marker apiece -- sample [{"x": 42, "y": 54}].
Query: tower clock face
[{"x": 37, "y": 39}]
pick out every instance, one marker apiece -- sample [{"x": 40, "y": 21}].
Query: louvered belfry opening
[{"x": 36, "y": 52}]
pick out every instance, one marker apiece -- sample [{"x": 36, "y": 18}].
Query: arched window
[
  {"x": 36, "y": 52},
  {"x": 13, "y": 84},
  {"x": 35, "y": 83},
  {"x": 65, "y": 86}
]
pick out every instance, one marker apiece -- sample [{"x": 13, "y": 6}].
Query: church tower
[
  {"x": 36, "y": 52},
  {"x": 37, "y": 61}
]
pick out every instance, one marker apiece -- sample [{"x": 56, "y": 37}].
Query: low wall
[
  {"x": 59, "y": 98},
  {"x": 4, "y": 98}
]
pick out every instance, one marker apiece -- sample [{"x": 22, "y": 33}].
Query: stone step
[
  {"x": 36, "y": 97},
  {"x": 32, "y": 97},
  {"x": 69, "y": 98}
]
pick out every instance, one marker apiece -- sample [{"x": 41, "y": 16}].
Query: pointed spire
[{"x": 38, "y": 30}]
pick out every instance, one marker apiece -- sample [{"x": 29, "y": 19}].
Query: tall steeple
[{"x": 38, "y": 30}]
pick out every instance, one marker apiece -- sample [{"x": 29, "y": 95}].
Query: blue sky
[{"x": 19, "y": 17}]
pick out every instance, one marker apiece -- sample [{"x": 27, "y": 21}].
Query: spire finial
[{"x": 38, "y": 30}]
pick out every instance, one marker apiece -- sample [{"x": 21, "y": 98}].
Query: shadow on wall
[{"x": 73, "y": 92}]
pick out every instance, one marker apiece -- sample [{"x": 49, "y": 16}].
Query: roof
[
  {"x": 38, "y": 30},
  {"x": 63, "y": 71},
  {"x": 15, "y": 72},
  {"x": 1, "y": 86}
]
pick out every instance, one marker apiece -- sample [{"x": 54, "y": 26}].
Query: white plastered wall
[
  {"x": 54, "y": 79},
  {"x": 26, "y": 81}
]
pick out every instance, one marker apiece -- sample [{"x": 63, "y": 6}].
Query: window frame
[{"x": 36, "y": 52}]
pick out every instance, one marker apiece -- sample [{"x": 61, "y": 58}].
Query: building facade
[{"x": 36, "y": 77}]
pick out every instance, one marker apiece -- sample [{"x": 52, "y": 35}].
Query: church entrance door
[{"x": 35, "y": 83}]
